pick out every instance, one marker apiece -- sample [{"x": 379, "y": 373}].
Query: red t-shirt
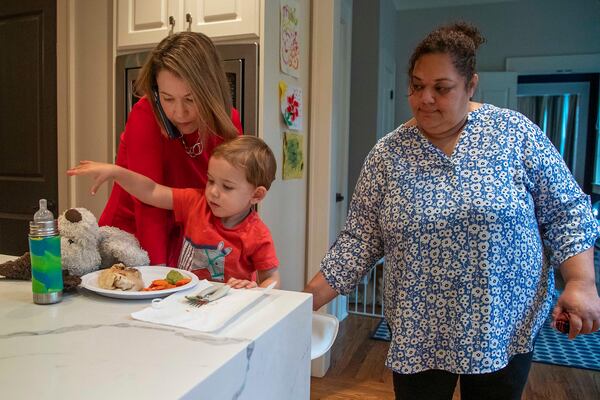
[
  {"x": 144, "y": 149},
  {"x": 215, "y": 252}
]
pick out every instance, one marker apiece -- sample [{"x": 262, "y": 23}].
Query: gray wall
[
  {"x": 363, "y": 92},
  {"x": 373, "y": 32},
  {"x": 387, "y": 46},
  {"x": 512, "y": 29}
]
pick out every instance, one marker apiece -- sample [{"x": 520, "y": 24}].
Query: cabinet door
[
  {"x": 223, "y": 18},
  {"x": 143, "y": 23}
]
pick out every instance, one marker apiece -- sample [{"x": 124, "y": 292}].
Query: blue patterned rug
[
  {"x": 382, "y": 332},
  {"x": 551, "y": 347}
]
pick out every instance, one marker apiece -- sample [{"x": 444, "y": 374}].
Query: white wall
[
  {"x": 284, "y": 209},
  {"x": 85, "y": 86},
  {"x": 512, "y": 29}
]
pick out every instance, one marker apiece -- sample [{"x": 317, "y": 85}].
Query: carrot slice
[
  {"x": 162, "y": 284},
  {"x": 183, "y": 281}
]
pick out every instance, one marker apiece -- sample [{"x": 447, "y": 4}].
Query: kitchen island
[{"x": 88, "y": 346}]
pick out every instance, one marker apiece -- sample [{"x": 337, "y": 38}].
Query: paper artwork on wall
[
  {"x": 290, "y": 98},
  {"x": 289, "y": 53},
  {"x": 293, "y": 157}
]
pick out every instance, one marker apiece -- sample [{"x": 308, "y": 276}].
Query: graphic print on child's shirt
[{"x": 204, "y": 256}]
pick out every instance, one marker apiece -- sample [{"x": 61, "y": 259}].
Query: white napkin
[{"x": 175, "y": 310}]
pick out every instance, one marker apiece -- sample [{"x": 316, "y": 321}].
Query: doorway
[
  {"x": 565, "y": 108},
  {"x": 330, "y": 78},
  {"x": 330, "y": 83},
  {"x": 28, "y": 119},
  {"x": 387, "y": 95}
]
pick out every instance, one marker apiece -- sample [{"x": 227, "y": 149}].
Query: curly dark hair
[{"x": 460, "y": 40}]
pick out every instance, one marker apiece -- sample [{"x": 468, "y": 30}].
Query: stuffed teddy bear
[{"x": 85, "y": 247}]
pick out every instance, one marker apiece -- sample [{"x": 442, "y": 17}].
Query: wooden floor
[{"x": 357, "y": 371}]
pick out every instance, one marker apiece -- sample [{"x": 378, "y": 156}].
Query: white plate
[{"x": 149, "y": 273}]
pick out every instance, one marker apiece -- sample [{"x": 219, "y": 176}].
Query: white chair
[{"x": 324, "y": 331}]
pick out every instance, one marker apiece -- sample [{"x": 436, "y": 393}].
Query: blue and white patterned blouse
[{"x": 466, "y": 285}]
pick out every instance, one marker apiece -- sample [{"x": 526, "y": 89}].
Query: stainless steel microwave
[{"x": 241, "y": 67}]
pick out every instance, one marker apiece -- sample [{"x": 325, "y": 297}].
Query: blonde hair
[
  {"x": 192, "y": 57},
  {"x": 251, "y": 154}
]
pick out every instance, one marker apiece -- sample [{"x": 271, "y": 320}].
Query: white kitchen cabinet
[
  {"x": 143, "y": 23},
  {"x": 224, "y": 18}
]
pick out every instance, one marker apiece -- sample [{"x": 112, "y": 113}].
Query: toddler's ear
[{"x": 259, "y": 194}]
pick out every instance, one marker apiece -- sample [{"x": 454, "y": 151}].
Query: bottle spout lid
[{"x": 43, "y": 214}]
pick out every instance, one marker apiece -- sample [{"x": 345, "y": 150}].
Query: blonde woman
[{"x": 184, "y": 113}]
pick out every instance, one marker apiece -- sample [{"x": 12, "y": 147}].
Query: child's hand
[
  {"x": 99, "y": 171},
  {"x": 241, "y": 283}
]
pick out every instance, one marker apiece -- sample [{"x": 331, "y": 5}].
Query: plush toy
[
  {"x": 79, "y": 237},
  {"x": 85, "y": 247}
]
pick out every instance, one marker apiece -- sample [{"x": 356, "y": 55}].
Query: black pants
[{"x": 505, "y": 384}]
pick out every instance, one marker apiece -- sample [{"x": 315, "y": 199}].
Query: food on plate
[
  {"x": 175, "y": 276},
  {"x": 172, "y": 280},
  {"x": 158, "y": 284},
  {"x": 119, "y": 276}
]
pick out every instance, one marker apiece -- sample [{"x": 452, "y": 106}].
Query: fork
[{"x": 207, "y": 295}]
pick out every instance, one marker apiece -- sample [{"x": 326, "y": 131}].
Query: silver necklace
[{"x": 194, "y": 150}]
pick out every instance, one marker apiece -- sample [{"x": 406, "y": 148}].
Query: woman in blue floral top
[{"x": 472, "y": 207}]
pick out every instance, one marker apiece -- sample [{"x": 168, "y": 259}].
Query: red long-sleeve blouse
[{"x": 144, "y": 149}]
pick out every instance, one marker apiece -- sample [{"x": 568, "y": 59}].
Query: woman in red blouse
[{"x": 185, "y": 112}]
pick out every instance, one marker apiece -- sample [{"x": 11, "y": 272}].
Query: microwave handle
[
  {"x": 188, "y": 19},
  {"x": 172, "y": 24}
]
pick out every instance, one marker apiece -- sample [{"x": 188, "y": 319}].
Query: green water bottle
[{"x": 44, "y": 248}]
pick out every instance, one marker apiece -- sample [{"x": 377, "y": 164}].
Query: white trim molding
[{"x": 566, "y": 64}]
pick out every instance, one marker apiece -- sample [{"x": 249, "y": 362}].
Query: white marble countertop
[{"x": 88, "y": 346}]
